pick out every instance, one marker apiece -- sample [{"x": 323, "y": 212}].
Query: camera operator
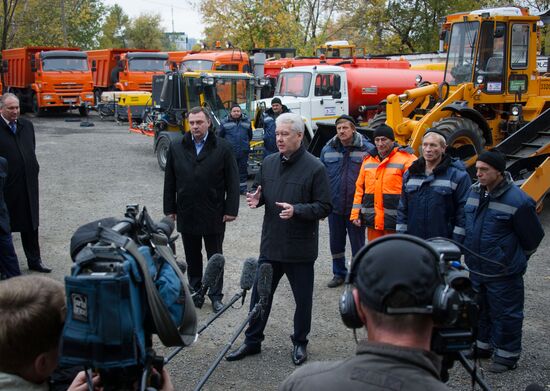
[
  {"x": 391, "y": 274},
  {"x": 32, "y": 312}
]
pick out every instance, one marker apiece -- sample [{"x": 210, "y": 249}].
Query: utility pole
[{"x": 172, "y": 8}]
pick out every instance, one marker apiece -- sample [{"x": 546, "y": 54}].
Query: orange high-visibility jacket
[{"x": 378, "y": 188}]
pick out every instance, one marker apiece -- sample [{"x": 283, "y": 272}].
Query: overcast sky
[{"x": 185, "y": 18}]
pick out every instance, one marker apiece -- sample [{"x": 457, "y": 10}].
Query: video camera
[{"x": 125, "y": 286}]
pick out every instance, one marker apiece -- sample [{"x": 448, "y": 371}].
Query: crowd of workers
[{"x": 381, "y": 188}]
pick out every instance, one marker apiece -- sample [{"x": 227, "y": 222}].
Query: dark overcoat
[
  {"x": 201, "y": 189},
  {"x": 21, "y": 187}
]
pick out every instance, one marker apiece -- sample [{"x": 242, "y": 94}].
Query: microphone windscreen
[
  {"x": 213, "y": 270},
  {"x": 248, "y": 274},
  {"x": 166, "y": 226},
  {"x": 265, "y": 277},
  {"x": 534, "y": 387}
]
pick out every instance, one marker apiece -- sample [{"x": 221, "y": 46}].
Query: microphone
[
  {"x": 213, "y": 271},
  {"x": 265, "y": 278},
  {"x": 248, "y": 275},
  {"x": 166, "y": 226}
]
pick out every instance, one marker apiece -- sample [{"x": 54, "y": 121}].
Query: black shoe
[
  {"x": 335, "y": 282},
  {"x": 40, "y": 267},
  {"x": 243, "y": 351},
  {"x": 198, "y": 300},
  {"x": 217, "y": 305},
  {"x": 299, "y": 354},
  {"x": 496, "y": 367},
  {"x": 481, "y": 354}
]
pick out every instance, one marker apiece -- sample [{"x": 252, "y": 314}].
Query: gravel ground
[{"x": 92, "y": 172}]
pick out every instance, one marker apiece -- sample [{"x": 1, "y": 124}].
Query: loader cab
[{"x": 492, "y": 51}]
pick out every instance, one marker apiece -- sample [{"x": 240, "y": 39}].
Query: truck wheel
[
  {"x": 35, "y": 108},
  {"x": 83, "y": 111},
  {"x": 377, "y": 120},
  {"x": 162, "y": 151},
  {"x": 464, "y": 136}
]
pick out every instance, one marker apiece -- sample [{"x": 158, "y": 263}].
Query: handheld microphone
[
  {"x": 213, "y": 271},
  {"x": 247, "y": 276},
  {"x": 265, "y": 278}
]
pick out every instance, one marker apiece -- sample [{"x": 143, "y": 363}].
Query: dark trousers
[
  {"x": 242, "y": 164},
  {"x": 192, "y": 246},
  {"x": 300, "y": 275},
  {"x": 340, "y": 226},
  {"x": 501, "y": 317},
  {"x": 29, "y": 241},
  {"x": 9, "y": 265}
]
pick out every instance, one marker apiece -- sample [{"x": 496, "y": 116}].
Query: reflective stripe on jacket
[
  {"x": 378, "y": 188},
  {"x": 433, "y": 205},
  {"x": 502, "y": 227},
  {"x": 343, "y": 165}
]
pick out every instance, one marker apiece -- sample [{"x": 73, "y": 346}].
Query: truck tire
[
  {"x": 462, "y": 133},
  {"x": 38, "y": 112},
  {"x": 162, "y": 151},
  {"x": 377, "y": 120}
]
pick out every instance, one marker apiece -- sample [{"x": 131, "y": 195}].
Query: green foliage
[
  {"x": 38, "y": 22},
  {"x": 144, "y": 32},
  {"x": 113, "y": 34}
]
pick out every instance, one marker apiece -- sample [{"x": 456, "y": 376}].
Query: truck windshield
[
  {"x": 196, "y": 65},
  {"x": 293, "y": 84},
  {"x": 64, "y": 64},
  {"x": 147, "y": 64},
  {"x": 461, "y": 53},
  {"x": 219, "y": 96}
]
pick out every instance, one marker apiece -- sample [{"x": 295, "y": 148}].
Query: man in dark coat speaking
[
  {"x": 293, "y": 186},
  {"x": 17, "y": 145},
  {"x": 201, "y": 188}
]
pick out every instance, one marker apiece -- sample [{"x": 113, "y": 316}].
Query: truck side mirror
[
  {"x": 336, "y": 95},
  {"x": 94, "y": 66},
  {"x": 5, "y": 66},
  {"x": 33, "y": 64},
  {"x": 120, "y": 64}
]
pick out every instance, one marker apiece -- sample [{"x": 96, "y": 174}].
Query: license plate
[{"x": 72, "y": 100}]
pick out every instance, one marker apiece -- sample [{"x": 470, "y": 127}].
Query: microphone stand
[
  {"x": 471, "y": 370},
  {"x": 233, "y": 300},
  {"x": 255, "y": 311}
]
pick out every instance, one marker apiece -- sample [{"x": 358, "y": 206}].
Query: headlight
[
  {"x": 263, "y": 82},
  {"x": 209, "y": 81},
  {"x": 89, "y": 96},
  {"x": 47, "y": 97},
  {"x": 516, "y": 110}
]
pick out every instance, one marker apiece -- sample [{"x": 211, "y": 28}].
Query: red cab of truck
[
  {"x": 48, "y": 78},
  {"x": 126, "y": 69}
]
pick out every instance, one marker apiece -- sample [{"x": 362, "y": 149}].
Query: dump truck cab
[{"x": 137, "y": 70}]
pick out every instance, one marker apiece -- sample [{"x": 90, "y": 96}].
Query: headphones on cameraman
[{"x": 444, "y": 308}]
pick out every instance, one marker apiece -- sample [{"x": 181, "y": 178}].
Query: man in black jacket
[
  {"x": 293, "y": 187},
  {"x": 17, "y": 145},
  {"x": 9, "y": 265},
  {"x": 201, "y": 188}
]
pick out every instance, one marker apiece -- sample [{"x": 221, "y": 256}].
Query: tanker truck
[{"x": 324, "y": 92}]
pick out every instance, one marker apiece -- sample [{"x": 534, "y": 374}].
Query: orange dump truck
[
  {"x": 48, "y": 78},
  {"x": 125, "y": 69}
]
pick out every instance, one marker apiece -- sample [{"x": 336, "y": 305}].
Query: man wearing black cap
[
  {"x": 392, "y": 274},
  {"x": 502, "y": 226},
  {"x": 378, "y": 186},
  {"x": 236, "y": 129},
  {"x": 342, "y": 157},
  {"x": 434, "y": 193},
  {"x": 269, "y": 117}
]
